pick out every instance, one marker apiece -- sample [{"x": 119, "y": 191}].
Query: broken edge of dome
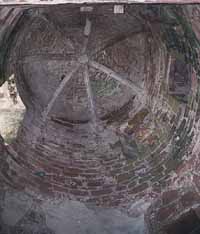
[
  {"x": 55, "y": 2},
  {"x": 9, "y": 18}
]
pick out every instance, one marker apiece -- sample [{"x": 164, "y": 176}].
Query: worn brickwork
[
  {"x": 142, "y": 144},
  {"x": 181, "y": 198}
]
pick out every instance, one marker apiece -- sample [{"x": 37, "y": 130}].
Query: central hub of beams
[{"x": 83, "y": 59}]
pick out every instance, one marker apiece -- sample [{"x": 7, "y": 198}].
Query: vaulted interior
[{"x": 112, "y": 104}]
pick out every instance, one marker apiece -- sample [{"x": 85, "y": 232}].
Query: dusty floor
[{"x": 21, "y": 214}]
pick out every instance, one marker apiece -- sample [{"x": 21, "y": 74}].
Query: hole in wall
[
  {"x": 62, "y": 77},
  {"x": 11, "y": 110}
]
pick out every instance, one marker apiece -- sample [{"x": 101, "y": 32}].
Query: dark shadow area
[{"x": 188, "y": 223}]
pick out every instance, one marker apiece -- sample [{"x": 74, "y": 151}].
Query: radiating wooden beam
[
  {"x": 114, "y": 75},
  {"x": 90, "y": 96},
  {"x": 48, "y": 56},
  {"x": 168, "y": 71},
  {"x": 58, "y": 91},
  {"x": 86, "y": 32},
  {"x": 117, "y": 39},
  {"x": 54, "y": 27}
]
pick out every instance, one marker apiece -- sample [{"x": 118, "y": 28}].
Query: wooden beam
[
  {"x": 55, "y": 28},
  {"x": 48, "y": 56},
  {"x": 114, "y": 75},
  {"x": 90, "y": 96},
  {"x": 86, "y": 32},
  {"x": 58, "y": 91}
]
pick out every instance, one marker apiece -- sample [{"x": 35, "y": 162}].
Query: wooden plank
[
  {"x": 58, "y": 91},
  {"x": 114, "y": 75},
  {"x": 90, "y": 97}
]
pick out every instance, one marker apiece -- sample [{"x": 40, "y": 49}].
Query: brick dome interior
[{"x": 111, "y": 114}]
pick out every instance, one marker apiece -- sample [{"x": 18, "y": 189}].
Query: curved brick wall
[{"x": 139, "y": 143}]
